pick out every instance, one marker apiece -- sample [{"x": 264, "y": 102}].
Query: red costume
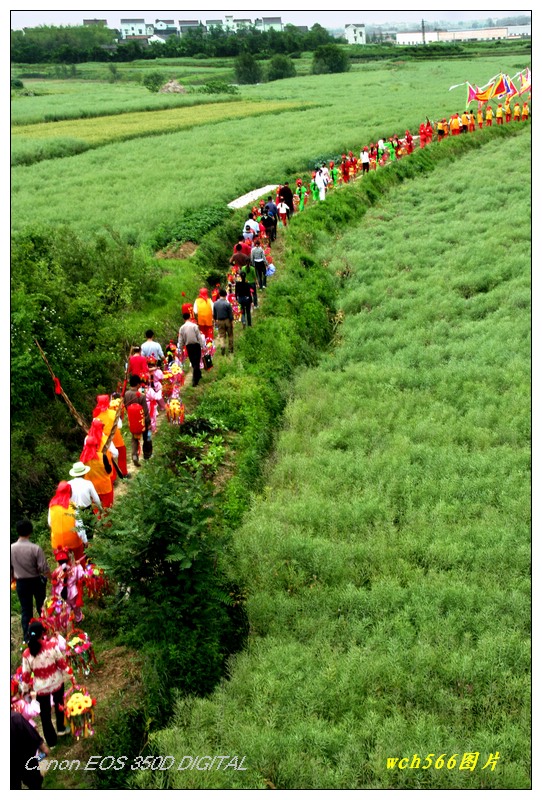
[
  {"x": 421, "y": 131},
  {"x": 344, "y": 167}
]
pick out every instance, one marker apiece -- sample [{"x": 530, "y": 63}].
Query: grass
[
  {"x": 31, "y": 143},
  {"x": 224, "y": 160},
  {"x": 387, "y": 560}
]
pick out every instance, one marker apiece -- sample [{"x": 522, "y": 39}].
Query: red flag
[
  {"x": 499, "y": 87},
  {"x": 58, "y": 387}
]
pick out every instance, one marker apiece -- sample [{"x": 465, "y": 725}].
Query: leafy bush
[
  {"x": 16, "y": 83},
  {"x": 247, "y": 69},
  {"x": 190, "y": 227},
  {"x": 281, "y": 67},
  {"x": 218, "y": 87},
  {"x": 330, "y": 58},
  {"x": 153, "y": 81},
  {"x": 160, "y": 544}
]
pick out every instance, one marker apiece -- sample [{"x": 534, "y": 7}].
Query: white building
[
  {"x": 474, "y": 35},
  {"x": 268, "y": 24},
  {"x": 135, "y": 27},
  {"x": 355, "y": 34}
]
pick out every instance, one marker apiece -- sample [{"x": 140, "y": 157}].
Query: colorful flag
[
  {"x": 499, "y": 87},
  {"x": 471, "y": 93},
  {"x": 525, "y": 81},
  {"x": 512, "y": 91},
  {"x": 484, "y": 94}
]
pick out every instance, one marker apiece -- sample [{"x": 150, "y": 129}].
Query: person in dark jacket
[
  {"x": 244, "y": 298},
  {"x": 287, "y": 196},
  {"x": 223, "y": 316},
  {"x": 24, "y": 743}
]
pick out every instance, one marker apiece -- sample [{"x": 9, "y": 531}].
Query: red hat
[
  {"x": 203, "y": 293},
  {"x": 102, "y": 404},
  {"x": 299, "y": 181},
  {"x": 331, "y": 163},
  {"x": 187, "y": 308},
  {"x": 61, "y": 555},
  {"x": 343, "y": 155},
  {"x": 350, "y": 153},
  {"x": 365, "y": 148}
]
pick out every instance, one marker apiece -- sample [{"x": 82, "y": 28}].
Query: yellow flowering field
[{"x": 103, "y": 130}]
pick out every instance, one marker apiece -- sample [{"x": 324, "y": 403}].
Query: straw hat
[{"x": 79, "y": 469}]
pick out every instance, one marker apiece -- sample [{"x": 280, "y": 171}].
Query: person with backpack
[
  {"x": 139, "y": 419},
  {"x": 259, "y": 262}
]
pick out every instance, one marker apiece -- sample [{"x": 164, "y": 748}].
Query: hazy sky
[{"x": 329, "y": 19}]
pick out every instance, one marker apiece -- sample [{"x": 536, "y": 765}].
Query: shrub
[
  {"x": 16, "y": 83},
  {"x": 330, "y": 58},
  {"x": 153, "y": 81},
  {"x": 281, "y": 67},
  {"x": 247, "y": 69}
]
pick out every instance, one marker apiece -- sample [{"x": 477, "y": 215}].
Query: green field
[
  {"x": 224, "y": 160},
  {"x": 379, "y": 524},
  {"x": 387, "y": 561}
]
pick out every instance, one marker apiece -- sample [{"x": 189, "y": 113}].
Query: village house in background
[{"x": 354, "y": 33}]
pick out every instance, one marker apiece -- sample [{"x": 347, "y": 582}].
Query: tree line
[{"x": 77, "y": 44}]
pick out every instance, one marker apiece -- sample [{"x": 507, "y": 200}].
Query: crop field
[
  {"x": 225, "y": 159},
  {"x": 53, "y": 101},
  {"x": 387, "y": 561},
  {"x": 34, "y": 139}
]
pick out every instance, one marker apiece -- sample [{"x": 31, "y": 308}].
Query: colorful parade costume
[
  {"x": 203, "y": 312},
  {"x": 61, "y": 519}
]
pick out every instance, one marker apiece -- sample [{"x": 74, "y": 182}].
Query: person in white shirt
[
  {"x": 320, "y": 181},
  {"x": 252, "y": 224},
  {"x": 84, "y": 496},
  {"x": 150, "y": 348}
]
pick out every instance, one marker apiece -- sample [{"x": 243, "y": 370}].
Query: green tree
[
  {"x": 153, "y": 81},
  {"x": 247, "y": 69},
  {"x": 281, "y": 67},
  {"x": 329, "y": 58}
]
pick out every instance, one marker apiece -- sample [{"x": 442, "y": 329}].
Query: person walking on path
[
  {"x": 507, "y": 110},
  {"x": 100, "y": 462},
  {"x": 43, "y": 660},
  {"x": 150, "y": 348},
  {"x": 61, "y": 518},
  {"x": 203, "y": 313},
  {"x": 29, "y": 570},
  {"x": 284, "y": 212},
  {"x": 244, "y": 298},
  {"x": 252, "y": 280},
  {"x": 223, "y": 315},
  {"x": 105, "y": 411},
  {"x": 84, "y": 497},
  {"x": 67, "y": 583},
  {"x": 525, "y": 112},
  {"x": 137, "y": 364},
  {"x": 259, "y": 262},
  {"x": 489, "y": 116},
  {"x": 517, "y": 112},
  {"x": 192, "y": 338},
  {"x": 287, "y": 196},
  {"x": 272, "y": 211},
  {"x": 24, "y": 742},
  {"x": 139, "y": 419}
]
